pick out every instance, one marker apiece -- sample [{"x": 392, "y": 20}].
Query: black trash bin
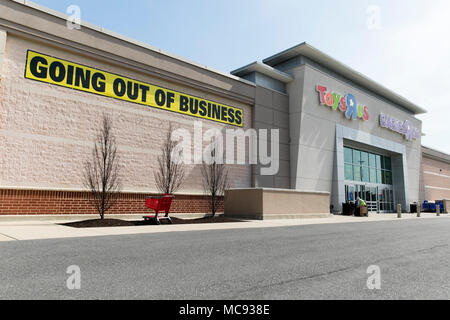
[
  {"x": 348, "y": 209},
  {"x": 413, "y": 207}
]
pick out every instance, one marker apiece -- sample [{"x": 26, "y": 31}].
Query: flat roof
[
  {"x": 308, "y": 51},
  {"x": 141, "y": 44}
]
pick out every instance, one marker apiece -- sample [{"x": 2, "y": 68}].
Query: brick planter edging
[{"x": 32, "y": 202}]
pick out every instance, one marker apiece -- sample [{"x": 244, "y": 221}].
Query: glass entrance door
[
  {"x": 369, "y": 176},
  {"x": 369, "y": 195},
  {"x": 377, "y": 198},
  {"x": 386, "y": 199},
  {"x": 371, "y": 199}
]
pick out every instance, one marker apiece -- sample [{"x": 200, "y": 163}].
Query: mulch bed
[{"x": 98, "y": 223}]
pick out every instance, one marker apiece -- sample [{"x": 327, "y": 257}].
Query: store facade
[
  {"x": 349, "y": 135},
  {"x": 338, "y": 132}
]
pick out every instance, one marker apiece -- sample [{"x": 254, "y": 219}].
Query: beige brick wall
[
  {"x": 436, "y": 182},
  {"x": 46, "y": 131}
]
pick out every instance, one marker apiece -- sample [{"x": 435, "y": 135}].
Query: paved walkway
[{"x": 23, "y": 229}]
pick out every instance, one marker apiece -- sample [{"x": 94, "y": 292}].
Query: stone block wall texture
[
  {"x": 47, "y": 132},
  {"x": 23, "y": 202},
  {"x": 262, "y": 203}
]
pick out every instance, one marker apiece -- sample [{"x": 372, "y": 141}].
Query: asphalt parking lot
[{"x": 327, "y": 261}]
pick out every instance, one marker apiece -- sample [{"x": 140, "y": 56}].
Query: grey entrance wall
[
  {"x": 271, "y": 111},
  {"x": 345, "y": 136},
  {"x": 315, "y": 147}
]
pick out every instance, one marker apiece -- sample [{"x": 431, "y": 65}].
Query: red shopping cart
[{"x": 159, "y": 204}]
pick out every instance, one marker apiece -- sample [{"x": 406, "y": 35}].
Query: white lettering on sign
[{"x": 404, "y": 128}]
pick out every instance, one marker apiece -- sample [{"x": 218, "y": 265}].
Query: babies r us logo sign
[{"x": 346, "y": 103}]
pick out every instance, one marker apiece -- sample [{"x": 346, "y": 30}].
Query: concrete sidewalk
[{"x": 23, "y": 229}]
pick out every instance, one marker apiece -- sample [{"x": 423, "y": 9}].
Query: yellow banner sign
[{"x": 67, "y": 74}]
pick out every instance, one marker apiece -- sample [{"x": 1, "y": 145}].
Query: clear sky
[{"x": 402, "y": 44}]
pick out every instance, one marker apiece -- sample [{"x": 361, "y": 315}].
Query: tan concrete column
[
  {"x": 2, "y": 49},
  {"x": 446, "y": 206}
]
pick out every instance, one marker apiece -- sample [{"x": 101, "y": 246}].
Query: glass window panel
[
  {"x": 364, "y": 159},
  {"x": 378, "y": 160},
  {"x": 361, "y": 192},
  {"x": 350, "y": 193},
  {"x": 373, "y": 175},
  {"x": 379, "y": 176},
  {"x": 388, "y": 177},
  {"x": 357, "y": 157},
  {"x": 356, "y": 173},
  {"x": 348, "y": 172},
  {"x": 365, "y": 174},
  {"x": 383, "y": 176},
  {"x": 387, "y": 163},
  {"x": 374, "y": 194},
  {"x": 372, "y": 161},
  {"x": 382, "y": 163},
  {"x": 348, "y": 155}
]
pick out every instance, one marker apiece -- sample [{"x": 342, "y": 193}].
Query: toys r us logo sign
[{"x": 346, "y": 103}]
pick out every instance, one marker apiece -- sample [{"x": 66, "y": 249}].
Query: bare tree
[
  {"x": 170, "y": 174},
  {"x": 101, "y": 172},
  {"x": 215, "y": 180}
]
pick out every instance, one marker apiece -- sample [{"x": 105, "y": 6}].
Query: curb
[{"x": 70, "y": 217}]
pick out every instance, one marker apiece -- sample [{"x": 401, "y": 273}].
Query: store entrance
[
  {"x": 369, "y": 176},
  {"x": 377, "y": 198}
]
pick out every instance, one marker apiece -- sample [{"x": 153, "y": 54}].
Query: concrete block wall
[
  {"x": 46, "y": 132},
  {"x": 271, "y": 111},
  {"x": 269, "y": 203}
]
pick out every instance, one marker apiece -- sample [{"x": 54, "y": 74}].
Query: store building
[
  {"x": 340, "y": 134},
  {"x": 348, "y": 135}
]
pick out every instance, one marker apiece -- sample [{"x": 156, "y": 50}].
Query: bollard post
[
  {"x": 418, "y": 210},
  {"x": 438, "y": 210},
  {"x": 399, "y": 211}
]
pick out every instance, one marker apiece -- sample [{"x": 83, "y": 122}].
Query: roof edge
[
  {"x": 274, "y": 59},
  {"x": 263, "y": 69},
  {"x": 63, "y": 16},
  {"x": 435, "y": 154},
  {"x": 310, "y": 52}
]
